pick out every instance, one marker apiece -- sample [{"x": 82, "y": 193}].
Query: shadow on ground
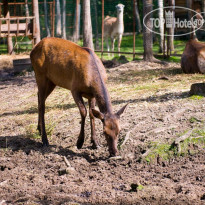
[
  {"x": 161, "y": 98},
  {"x": 25, "y": 144}
]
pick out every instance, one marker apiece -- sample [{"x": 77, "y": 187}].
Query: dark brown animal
[
  {"x": 193, "y": 58},
  {"x": 60, "y": 62}
]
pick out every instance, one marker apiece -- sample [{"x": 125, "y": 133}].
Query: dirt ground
[{"x": 160, "y": 111}]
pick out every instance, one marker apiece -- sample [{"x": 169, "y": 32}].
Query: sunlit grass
[
  {"x": 167, "y": 151},
  {"x": 126, "y": 46},
  {"x": 196, "y": 97}
]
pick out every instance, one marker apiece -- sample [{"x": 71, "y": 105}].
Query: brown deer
[{"x": 61, "y": 62}]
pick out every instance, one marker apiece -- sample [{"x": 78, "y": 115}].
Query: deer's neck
[
  {"x": 103, "y": 99},
  {"x": 98, "y": 86}
]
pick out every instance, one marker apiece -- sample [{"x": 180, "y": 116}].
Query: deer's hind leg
[
  {"x": 45, "y": 87},
  {"x": 83, "y": 112}
]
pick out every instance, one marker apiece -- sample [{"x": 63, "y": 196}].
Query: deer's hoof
[
  {"x": 80, "y": 144},
  {"x": 95, "y": 146},
  {"x": 45, "y": 144}
]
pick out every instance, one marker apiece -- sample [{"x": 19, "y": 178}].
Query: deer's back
[{"x": 65, "y": 63}]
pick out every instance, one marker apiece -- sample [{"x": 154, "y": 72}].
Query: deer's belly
[{"x": 61, "y": 78}]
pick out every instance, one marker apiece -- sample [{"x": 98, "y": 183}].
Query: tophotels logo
[
  {"x": 169, "y": 16},
  {"x": 166, "y": 18}
]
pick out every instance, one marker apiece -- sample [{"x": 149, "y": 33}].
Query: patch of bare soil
[{"x": 158, "y": 112}]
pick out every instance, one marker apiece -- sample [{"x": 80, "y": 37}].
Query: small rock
[
  {"x": 62, "y": 172},
  {"x": 134, "y": 187},
  {"x": 86, "y": 194},
  {"x": 197, "y": 89},
  {"x": 68, "y": 170},
  {"x": 178, "y": 189},
  {"x": 198, "y": 178}
]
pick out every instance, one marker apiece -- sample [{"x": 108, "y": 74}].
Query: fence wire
[{"x": 50, "y": 13}]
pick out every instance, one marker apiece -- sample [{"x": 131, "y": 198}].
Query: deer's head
[{"x": 111, "y": 128}]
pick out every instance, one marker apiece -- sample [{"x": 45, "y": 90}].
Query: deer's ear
[
  {"x": 121, "y": 110},
  {"x": 98, "y": 114}
]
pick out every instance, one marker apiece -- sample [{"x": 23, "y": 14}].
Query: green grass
[
  {"x": 194, "y": 120},
  {"x": 140, "y": 187},
  {"x": 196, "y": 97},
  {"x": 166, "y": 151},
  {"x": 174, "y": 59},
  {"x": 162, "y": 150},
  {"x": 32, "y": 132},
  {"x": 20, "y": 42},
  {"x": 126, "y": 46},
  {"x": 3, "y": 49}
]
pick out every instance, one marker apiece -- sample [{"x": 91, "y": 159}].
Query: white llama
[{"x": 114, "y": 27}]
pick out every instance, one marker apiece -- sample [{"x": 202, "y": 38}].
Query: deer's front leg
[
  {"x": 83, "y": 112},
  {"x": 94, "y": 141}
]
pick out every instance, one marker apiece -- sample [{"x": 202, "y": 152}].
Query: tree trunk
[
  {"x": 139, "y": 26},
  {"x": 170, "y": 31},
  {"x": 161, "y": 25},
  {"x": 26, "y": 8},
  {"x": 37, "y": 36},
  {"x": 96, "y": 26},
  {"x": 164, "y": 40},
  {"x": 77, "y": 21},
  {"x": 147, "y": 34},
  {"x": 10, "y": 46},
  {"x": 203, "y": 7},
  {"x": 172, "y": 3},
  {"x": 9, "y": 38},
  {"x": 190, "y": 15},
  {"x": 87, "y": 26},
  {"x": 46, "y": 19},
  {"x": 58, "y": 18},
  {"x": 64, "y": 19}
]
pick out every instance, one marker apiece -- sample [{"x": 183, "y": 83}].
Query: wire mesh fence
[{"x": 51, "y": 14}]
